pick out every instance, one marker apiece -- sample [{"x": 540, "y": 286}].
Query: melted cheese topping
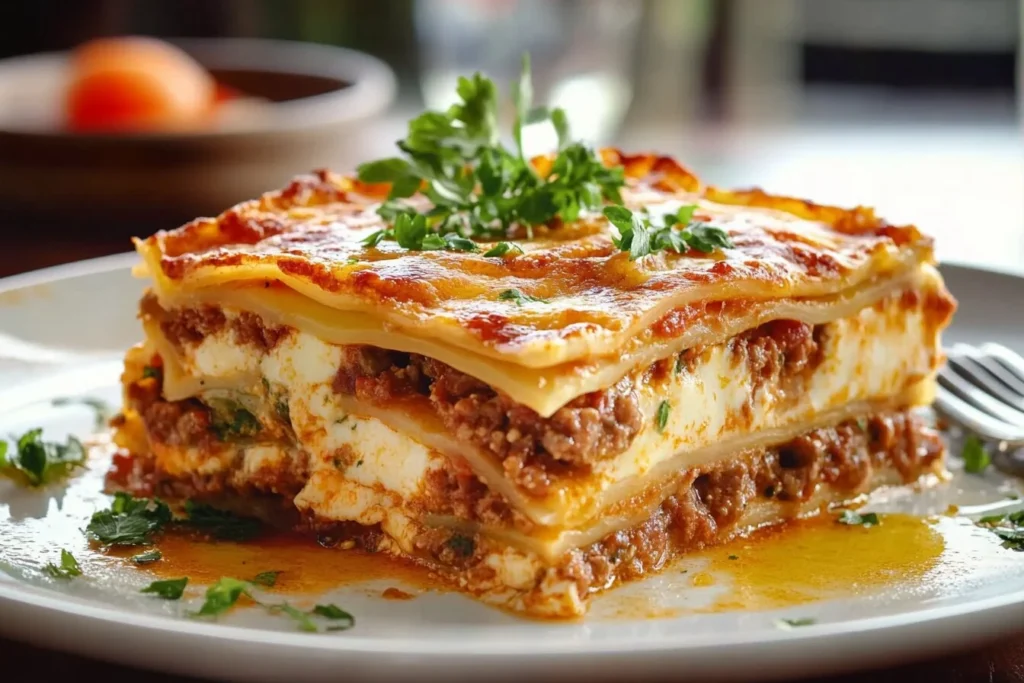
[{"x": 307, "y": 239}]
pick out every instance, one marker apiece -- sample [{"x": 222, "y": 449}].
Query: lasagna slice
[{"x": 539, "y": 425}]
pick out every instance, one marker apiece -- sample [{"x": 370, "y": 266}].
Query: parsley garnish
[
  {"x": 100, "y": 407},
  {"x": 851, "y": 518},
  {"x": 222, "y": 596},
  {"x": 221, "y": 525},
  {"x": 151, "y": 372},
  {"x": 519, "y": 298},
  {"x": 502, "y": 248},
  {"x": 68, "y": 567},
  {"x": 476, "y": 186},
  {"x": 335, "y": 613},
  {"x": 661, "y": 417},
  {"x": 640, "y": 237},
  {"x": 976, "y": 457},
  {"x": 235, "y": 422},
  {"x": 266, "y": 579},
  {"x": 169, "y": 589},
  {"x": 128, "y": 521},
  {"x": 464, "y": 546},
  {"x": 795, "y": 623},
  {"x": 148, "y": 557},
  {"x": 734, "y": 557},
  {"x": 1009, "y": 528},
  {"x": 35, "y": 462}
]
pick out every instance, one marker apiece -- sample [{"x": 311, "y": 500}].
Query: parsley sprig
[
  {"x": 477, "y": 187},
  {"x": 34, "y": 462},
  {"x": 640, "y": 236}
]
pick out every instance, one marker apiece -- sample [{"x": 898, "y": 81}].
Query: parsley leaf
[
  {"x": 335, "y": 613},
  {"x": 519, "y": 298},
  {"x": 795, "y": 623},
  {"x": 851, "y": 518},
  {"x": 502, "y": 248},
  {"x": 640, "y": 237},
  {"x": 35, "y": 462},
  {"x": 1008, "y": 527},
  {"x": 151, "y": 372},
  {"x": 68, "y": 567},
  {"x": 266, "y": 579},
  {"x": 148, "y": 557},
  {"x": 976, "y": 457},
  {"x": 661, "y": 417},
  {"x": 219, "y": 524},
  {"x": 128, "y": 521},
  {"x": 232, "y": 421},
  {"x": 168, "y": 589},
  {"x": 477, "y": 187},
  {"x": 307, "y": 621},
  {"x": 222, "y": 596}
]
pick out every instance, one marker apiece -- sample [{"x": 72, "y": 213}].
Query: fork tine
[
  {"x": 1009, "y": 359},
  {"x": 955, "y": 383},
  {"x": 994, "y": 380},
  {"x": 981, "y": 423},
  {"x": 992, "y": 365}
]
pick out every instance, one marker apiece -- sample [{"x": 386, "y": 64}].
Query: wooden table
[{"x": 999, "y": 663}]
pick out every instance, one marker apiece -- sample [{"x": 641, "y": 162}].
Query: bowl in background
[{"x": 320, "y": 106}]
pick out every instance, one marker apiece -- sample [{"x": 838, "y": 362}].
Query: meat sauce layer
[{"x": 534, "y": 451}]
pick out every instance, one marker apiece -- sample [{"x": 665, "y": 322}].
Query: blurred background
[{"x": 911, "y": 106}]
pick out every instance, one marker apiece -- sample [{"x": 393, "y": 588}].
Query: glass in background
[{"x": 582, "y": 54}]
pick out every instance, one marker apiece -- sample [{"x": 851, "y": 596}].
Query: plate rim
[{"x": 15, "y": 594}]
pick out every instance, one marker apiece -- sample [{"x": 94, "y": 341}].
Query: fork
[{"x": 981, "y": 388}]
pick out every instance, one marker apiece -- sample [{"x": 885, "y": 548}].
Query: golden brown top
[{"x": 308, "y": 237}]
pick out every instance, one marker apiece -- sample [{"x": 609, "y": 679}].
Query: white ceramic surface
[{"x": 64, "y": 332}]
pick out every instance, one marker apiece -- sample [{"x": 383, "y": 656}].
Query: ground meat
[
  {"x": 534, "y": 450},
  {"x": 781, "y": 349},
  {"x": 192, "y": 325}
]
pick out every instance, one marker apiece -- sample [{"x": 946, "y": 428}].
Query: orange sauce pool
[
  {"x": 815, "y": 559},
  {"x": 302, "y": 565}
]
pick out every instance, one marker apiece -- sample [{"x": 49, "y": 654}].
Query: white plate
[{"x": 65, "y": 330}]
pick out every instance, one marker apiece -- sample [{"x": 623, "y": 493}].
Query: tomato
[{"x": 136, "y": 84}]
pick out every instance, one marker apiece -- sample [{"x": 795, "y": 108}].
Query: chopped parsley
[
  {"x": 1008, "y": 527},
  {"x": 219, "y": 524},
  {"x": 336, "y": 614},
  {"x": 477, "y": 187},
  {"x": 851, "y": 518},
  {"x": 128, "y": 521},
  {"x": 640, "y": 237},
  {"x": 411, "y": 232},
  {"x": 67, "y": 569},
  {"x": 34, "y": 462},
  {"x": 222, "y": 596},
  {"x": 503, "y": 248},
  {"x": 151, "y": 372},
  {"x": 100, "y": 408},
  {"x": 795, "y": 623},
  {"x": 463, "y": 546},
  {"x": 975, "y": 455},
  {"x": 168, "y": 589},
  {"x": 734, "y": 557},
  {"x": 266, "y": 579},
  {"x": 519, "y": 298},
  {"x": 235, "y": 422},
  {"x": 148, "y": 557},
  {"x": 661, "y": 417}
]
